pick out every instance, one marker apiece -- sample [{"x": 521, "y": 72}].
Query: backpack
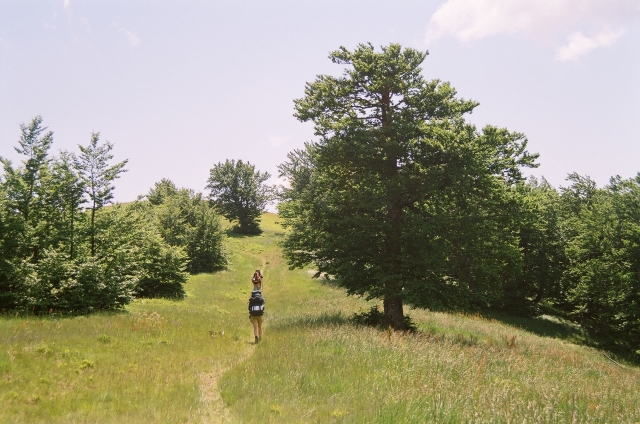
[{"x": 256, "y": 306}]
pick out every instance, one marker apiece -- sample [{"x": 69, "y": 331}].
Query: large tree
[
  {"x": 399, "y": 193},
  {"x": 239, "y": 192}
]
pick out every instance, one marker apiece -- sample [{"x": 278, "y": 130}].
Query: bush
[
  {"x": 162, "y": 269},
  {"x": 72, "y": 286},
  {"x": 184, "y": 219},
  {"x": 138, "y": 250},
  {"x": 374, "y": 317}
]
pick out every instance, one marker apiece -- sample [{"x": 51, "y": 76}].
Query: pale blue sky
[{"x": 179, "y": 86}]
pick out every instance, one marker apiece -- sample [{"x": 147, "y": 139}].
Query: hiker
[
  {"x": 256, "y": 310},
  {"x": 257, "y": 280}
]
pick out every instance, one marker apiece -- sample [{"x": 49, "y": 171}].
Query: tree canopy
[
  {"x": 398, "y": 193},
  {"x": 239, "y": 192},
  {"x": 98, "y": 176},
  {"x": 185, "y": 219},
  {"x": 56, "y": 256}
]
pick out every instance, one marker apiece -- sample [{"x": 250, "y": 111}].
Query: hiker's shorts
[{"x": 257, "y": 320}]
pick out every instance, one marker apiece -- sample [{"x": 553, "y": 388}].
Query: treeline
[
  {"x": 63, "y": 248},
  {"x": 581, "y": 255}
]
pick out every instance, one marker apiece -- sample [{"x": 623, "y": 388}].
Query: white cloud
[
  {"x": 545, "y": 20},
  {"x": 66, "y": 4},
  {"x": 579, "y": 45},
  {"x": 133, "y": 39}
]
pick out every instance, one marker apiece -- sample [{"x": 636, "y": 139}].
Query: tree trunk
[
  {"x": 93, "y": 232},
  {"x": 465, "y": 271},
  {"x": 393, "y": 312},
  {"x": 71, "y": 238}
]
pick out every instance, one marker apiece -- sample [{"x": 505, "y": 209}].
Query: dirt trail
[{"x": 214, "y": 410}]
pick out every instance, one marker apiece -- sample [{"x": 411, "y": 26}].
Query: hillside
[{"x": 194, "y": 360}]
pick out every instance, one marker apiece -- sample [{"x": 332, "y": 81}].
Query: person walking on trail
[
  {"x": 257, "y": 280},
  {"x": 256, "y": 311}
]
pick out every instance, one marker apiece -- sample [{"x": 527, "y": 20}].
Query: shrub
[
  {"x": 374, "y": 317},
  {"x": 162, "y": 269}
]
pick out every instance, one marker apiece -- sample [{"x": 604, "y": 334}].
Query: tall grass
[
  {"x": 164, "y": 361},
  {"x": 315, "y": 365},
  {"x": 144, "y": 364},
  {"x": 455, "y": 369}
]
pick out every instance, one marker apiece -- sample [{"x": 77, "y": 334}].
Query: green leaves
[
  {"x": 238, "y": 191},
  {"x": 603, "y": 248},
  {"x": 399, "y": 197},
  {"x": 186, "y": 220},
  {"x": 56, "y": 256},
  {"x": 98, "y": 175},
  {"x": 378, "y": 87}
]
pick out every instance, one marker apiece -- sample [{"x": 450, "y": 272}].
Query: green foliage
[
  {"x": 184, "y": 219},
  {"x": 25, "y": 188},
  {"x": 374, "y": 317},
  {"x": 26, "y": 182},
  {"x": 239, "y": 193},
  {"x": 98, "y": 176},
  {"x": 580, "y": 249},
  {"x": 11, "y": 231},
  {"x": 162, "y": 269},
  {"x": 161, "y": 191},
  {"x": 67, "y": 194},
  {"x": 603, "y": 249},
  {"x": 54, "y": 256},
  {"x": 205, "y": 243},
  {"x": 542, "y": 243},
  {"x": 78, "y": 286},
  {"x": 133, "y": 246},
  {"x": 400, "y": 198}
]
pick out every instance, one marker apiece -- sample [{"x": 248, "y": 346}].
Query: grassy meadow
[{"x": 193, "y": 361}]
